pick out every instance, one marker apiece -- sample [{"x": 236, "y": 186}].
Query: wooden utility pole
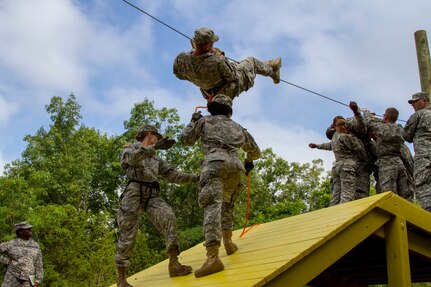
[{"x": 424, "y": 62}]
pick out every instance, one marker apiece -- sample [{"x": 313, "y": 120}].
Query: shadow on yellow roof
[{"x": 375, "y": 240}]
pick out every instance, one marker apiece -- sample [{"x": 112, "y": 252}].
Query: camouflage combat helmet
[
  {"x": 223, "y": 100},
  {"x": 204, "y": 36},
  {"x": 22, "y": 225},
  {"x": 149, "y": 128}
]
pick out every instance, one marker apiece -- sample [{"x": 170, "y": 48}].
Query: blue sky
[{"x": 111, "y": 56}]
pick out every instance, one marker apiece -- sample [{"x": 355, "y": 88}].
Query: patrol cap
[
  {"x": 418, "y": 96},
  {"x": 22, "y": 225},
  {"x": 223, "y": 100},
  {"x": 149, "y": 128},
  {"x": 204, "y": 36}
]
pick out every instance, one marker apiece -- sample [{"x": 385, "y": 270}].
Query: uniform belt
[
  {"x": 146, "y": 194},
  {"x": 148, "y": 184}
]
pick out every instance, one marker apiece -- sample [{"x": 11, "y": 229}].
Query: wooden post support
[
  {"x": 397, "y": 252},
  {"x": 424, "y": 62}
]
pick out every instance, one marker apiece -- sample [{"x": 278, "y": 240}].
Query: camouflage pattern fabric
[
  {"x": 349, "y": 176},
  {"x": 26, "y": 260},
  {"x": 221, "y": 170},
  {"x": 214, "y": 74},
  {"x": 418, "y": 131},
  {"x": 392, "y": 172},
  {"x": 407, "y": 159},
  {"x": 142, "y": 165}
]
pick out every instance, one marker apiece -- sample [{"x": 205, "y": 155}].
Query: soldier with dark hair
[
  {"x": 24, "y": 259},
  {"x": 221, "y": 172},
  {"x": 142, "y": 193},
  {"x": 213, "y": 73}
]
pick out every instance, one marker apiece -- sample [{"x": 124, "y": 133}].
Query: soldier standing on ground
[
  {"x": 221, "y": 173},
  {"x": 214, "y": 74},
  {"x": 142, "y": 193},
  {"x": 418, "y": 131},
  {"x": 24, "y": 259}
]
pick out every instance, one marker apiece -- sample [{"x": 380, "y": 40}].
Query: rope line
[
  {"x": 247, "y": 213},
  {"x": 284, "y": 81}
]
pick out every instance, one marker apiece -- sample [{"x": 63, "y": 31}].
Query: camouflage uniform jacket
[
  {"x": 209, "y": 71},
  {"x": 143, "y": 165},
  {"x": 26, "y": 258},
  {"x": 221, "y": 137},
  {"x": 418, "y": 131},
  {"x": 389, "y": 137},
  {"x": 345, "y": 147}
]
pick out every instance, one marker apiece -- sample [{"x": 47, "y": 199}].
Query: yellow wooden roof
[{"x": 314, "y": 246}]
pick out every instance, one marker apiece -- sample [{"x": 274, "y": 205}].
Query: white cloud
[{"x": 7, "y": 109}]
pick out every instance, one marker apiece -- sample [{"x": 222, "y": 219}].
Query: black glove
[
  {"x": 164, "y": 143},
  {"x": 196, "y": 117},
  {"x": 354, "y": 107},
  {"x": 248, "y": 165}
]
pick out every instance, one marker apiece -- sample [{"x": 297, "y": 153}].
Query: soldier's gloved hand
[
  {"x": 354, "y": 107},
  {"x": 164, "y": 143},
  {"x": 196, "y": 117},
  {"x": 330, "y": 131},
  {"x": 312, "y": 145},
  {"x": 218, "y": 52},
  {"x": 248, "y": 165}
]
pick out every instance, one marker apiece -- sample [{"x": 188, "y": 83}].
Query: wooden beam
[
  {"x": 424, "y": 62},
  {"x": 397, "y": 252},
  {"x": 316, "y": 262}
]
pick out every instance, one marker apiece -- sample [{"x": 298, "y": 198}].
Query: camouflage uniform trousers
[
  {"x": 393, "y": 177},
  {"x": 350, "y": 181},
  {"x": 221, "y": 185},
  {"x": 246, "y": 71},
  {"x": 422, "y": 175},
  {"x": 12, "y": 281},
  {"x": 158, "y": 211}
]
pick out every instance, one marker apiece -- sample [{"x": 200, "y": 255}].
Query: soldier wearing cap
[
  {"x": 24, "y": 259},
  {"x": 392, "y": 174},
  {"x": 418, "y": 131},
  {"x": 221, "y": 172},
  {"x": 214, "y": 74},
  {"x": 142, "y": 193}
]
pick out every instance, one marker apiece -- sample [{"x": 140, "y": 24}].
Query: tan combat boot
[
  {"x": 227, "y": 242},
  {"x": 121, "y": 280},
  {"x": 175, "y": 267},
  {"x": 275, "y": 65},
  {"x": 213, "y": 263}
]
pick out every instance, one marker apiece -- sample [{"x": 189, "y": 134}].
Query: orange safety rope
[{"x": 247, "y": 214}]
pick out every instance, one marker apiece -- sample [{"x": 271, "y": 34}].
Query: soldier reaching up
[{"x": 221, "y": 173}]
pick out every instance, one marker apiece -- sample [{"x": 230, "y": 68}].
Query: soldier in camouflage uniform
[
  {"x": 349, "y": 157},
  {"x": 24, "y": 259},
  {"x": 221, "y": 173},
  {"x": 389, "y": 141},
  {"x": 214, "y": 74},
  {"x": 142, "y": 193},
  {"x": 418, "y": 131}
]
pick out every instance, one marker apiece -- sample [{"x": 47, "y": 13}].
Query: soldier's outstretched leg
[{"x": 269, "y": 68}]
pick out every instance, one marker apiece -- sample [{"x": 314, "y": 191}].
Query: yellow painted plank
[
  {"x": 267, "y": 250},
  {"x": 313, "y": 264},
  {"x": 397, "y": 252}
]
